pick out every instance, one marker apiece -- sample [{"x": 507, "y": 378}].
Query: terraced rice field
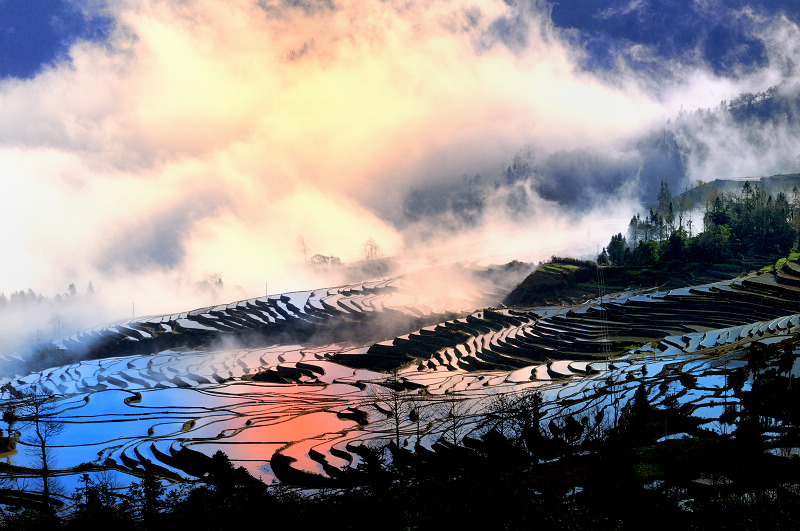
[{"x": 168, "y": 398}]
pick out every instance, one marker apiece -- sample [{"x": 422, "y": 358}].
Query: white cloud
[{"x": 198, "y": 111}]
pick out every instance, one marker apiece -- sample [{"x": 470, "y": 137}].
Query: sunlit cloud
[{"x": 206, "y": 137}]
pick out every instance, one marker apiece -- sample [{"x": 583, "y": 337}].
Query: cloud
[{"x": 206, "y": 137}]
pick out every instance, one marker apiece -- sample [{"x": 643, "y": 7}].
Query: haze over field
[{"x": 146, "y": 144}]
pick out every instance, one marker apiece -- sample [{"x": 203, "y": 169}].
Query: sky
[{"x": 148, "y": 144}]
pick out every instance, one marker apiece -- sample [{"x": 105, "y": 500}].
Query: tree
[
  {"x": 675, "y": 245},
  {"x": 415, "y": 417},
  {"x": 616, "y": 249},
  {"x": 498, "y": 408},
  {"x": 452, "y": 410},
  {"x": 10, "y": 418},
  {"x": 633, "y": 230},
  {"x": 647, "y": 254},
  {"x": 572, "y": 432},
  {"x": 664, "y": 197},
  {"x": 373, "y": 256},
  {"x": 518, "y": 417},
  {"x": 713, "y": 244},
  {"x": 147, "y": 499},
  {"x": 716, "y": 213},
  {"x": 453, "y": 419},
  {"x": 37, "y": 412},
  {"x": 670, "y": 218},
  {"x": 227, "y": 501},
  {"x": 684, "y": 207},
  {"x": 57, "y": 322},
  {"x": 522, "y": 166},
  {"x": 214, "y": 279},
  {"x": 786, "y": 362},
  {"x": 637, "y": 413},
  {"x": 304, "y": 250},
  {"x": 392, "y": 401},
  {"x": 96, "y": 502},
  {"x": 321, "y": 262},
  {"x": 656, "y": 225}
]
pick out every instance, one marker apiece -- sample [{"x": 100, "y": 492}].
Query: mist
[{"x": 200, "y": 139}]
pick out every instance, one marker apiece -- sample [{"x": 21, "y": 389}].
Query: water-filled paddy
[
  {"x": 138, "y": 408},
  {"x": 251, "y": 420}
]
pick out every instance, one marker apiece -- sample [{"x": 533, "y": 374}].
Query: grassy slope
[{"x": 570, "y": 281}]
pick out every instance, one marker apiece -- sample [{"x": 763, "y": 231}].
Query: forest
[{"x": 734, "y": 226}]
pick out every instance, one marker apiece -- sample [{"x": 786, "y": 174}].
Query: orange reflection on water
[{"x": 295, "y": 428}]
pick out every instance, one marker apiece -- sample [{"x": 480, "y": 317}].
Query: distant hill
[{"x": 772, "y": 185}]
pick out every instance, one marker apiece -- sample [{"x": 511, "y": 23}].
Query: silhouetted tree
[
  {"x": 373, "y": 256},
  {"x": 616, "y": 249},
  {"x": 10, "y": 417},
  {"x": 391, "y": 397},
  {"x": 37, "y": 411}
]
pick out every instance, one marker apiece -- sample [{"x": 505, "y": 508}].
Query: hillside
[
  {"x": 565, "y": 281},
  {"x": 772, "y": 185}
]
